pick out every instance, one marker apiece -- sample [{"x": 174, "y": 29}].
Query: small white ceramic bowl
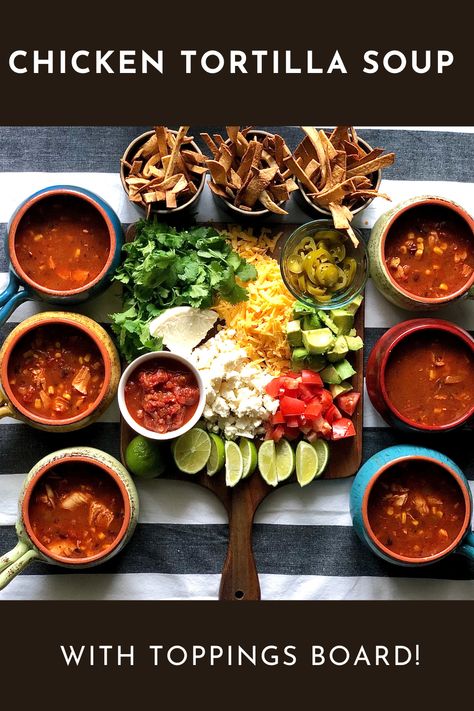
[{"x": 161, "y": 356}]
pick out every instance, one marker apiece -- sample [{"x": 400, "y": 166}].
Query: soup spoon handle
[{"x": 15, "y": 561}]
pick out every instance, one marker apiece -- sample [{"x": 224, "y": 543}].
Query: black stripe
[
  {"x": 421, "y": 155},
  {"x": 194, "y": 549}
]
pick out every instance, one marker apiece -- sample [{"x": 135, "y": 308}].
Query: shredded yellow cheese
[{"x": 260, "y": 322}]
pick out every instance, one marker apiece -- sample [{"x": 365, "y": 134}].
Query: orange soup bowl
[
  {"x": 58, "y": 371},
  {"x": 95, "y": 511},
  {"x": 420, "y": 376},
  {"x": 64, "y": 244}
]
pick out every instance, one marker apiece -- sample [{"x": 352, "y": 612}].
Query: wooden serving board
[{"x": 239, "y": 575}]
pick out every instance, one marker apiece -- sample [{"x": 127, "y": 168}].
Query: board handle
[{"x": 239, "y": 575}]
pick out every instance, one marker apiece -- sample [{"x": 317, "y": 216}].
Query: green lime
[
  {"x": 217, "y": 458},
  {"x": 192, "y": 451},
  {"x": 234, "y": 463},
  {"x": 322, "y": 450},
  {"x": 267, "y": 462},
  {"x": 285, "y": 460},
  {"x": 306, "y": 463},
  {"x": 249, "y": 455},
  {"x": 143, "y": 458}
]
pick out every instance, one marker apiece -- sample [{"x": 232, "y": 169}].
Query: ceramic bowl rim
[
  {"x": 406, "y": 559},
  {"x": 51, "y": 319},
  {"x": 133, "y": 424},
  {"x": 31, "y": 202},
  {"x": 25, "y": 502}
]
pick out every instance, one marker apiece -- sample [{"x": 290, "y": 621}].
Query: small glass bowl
[{"x": 340, "y": 298}]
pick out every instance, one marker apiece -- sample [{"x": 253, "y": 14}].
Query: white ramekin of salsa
[{"x": 161, "y": 395}]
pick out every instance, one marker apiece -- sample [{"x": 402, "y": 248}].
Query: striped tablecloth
[{"x": 304, "y": 544}]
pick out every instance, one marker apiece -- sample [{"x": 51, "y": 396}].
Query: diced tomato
[
  {"x": 309, "y": 377},
  {"x": 344, "y": 427},
  {"x": 348, "y": 402},
  {"x": 332, "y": 414},
  {"x": 292, "y": 374},
  {"x": 273, "y": 387},
  {"x": 277, "y": 418},
  {"x": 289, "y": 385},
  {"x": 322, "y": 427},
  {"x": 293, "y": 421},
  {"x": 313, "y": 410},
  {"x": 324, "y": 397},
  {"x": 305, "y": 392},
  {"x": 278, "y": 433},
  {"x": 291, "y": 433},
  {"x": 291, "y": 406}
]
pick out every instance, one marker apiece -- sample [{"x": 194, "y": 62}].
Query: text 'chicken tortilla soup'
[
  {"x": 416, "y": 509},
  {"x": 62, "y": 243},
  {"x": 56, "y": 371},
  {"x": 76, "y": 510},
  {"x": 429, "y": 378},
  {"x": 162, "y": 395}
]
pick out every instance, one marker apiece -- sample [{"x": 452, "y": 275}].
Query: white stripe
[{"x": 161, "y": 586}]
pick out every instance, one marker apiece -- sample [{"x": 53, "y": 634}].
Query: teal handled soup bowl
[
  {"x": 64, "y": 244},
  {"x": 412, "y": 506},
  {"x": 78, "y": 507}
]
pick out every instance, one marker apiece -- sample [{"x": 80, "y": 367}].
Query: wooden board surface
[{"x": 239, "y": 575}]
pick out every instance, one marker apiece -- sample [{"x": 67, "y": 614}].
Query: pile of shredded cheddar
[{"x": 260, "y": 322}]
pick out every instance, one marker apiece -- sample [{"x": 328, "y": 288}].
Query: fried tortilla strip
[
  {"x": 217, "y": 171},
  {"x": 179, "y": 139},
  {"x": 149, "y": 148},
  {"x": 311, "y": 168},
  {"x": 296, "y": 169},
  {"x": 267, "y": 202},
  {"x": 193, "y": 157},
  {"x": 198, "y": 169},
  {"x": 259, "y": 182},
  {"x": 235, "y": 180},
  {"x": 369, "y": 194},
  {"x": 280, "y": 193},
  {"x": 152, "y": 161},
  {"x": 226, "y": 157},
  {"x": 335, "y": 194},
  {"x": 210, "y": 144},
  {"x": 182, "y": 184},
  {"x": 315, "y": 139},
  {"x": 354, "y": 161},
  {"x": 161, "y": 139},
  {"x": 170, "y": 199},
  {"x": 249, "y": 158},
  {"x": 217, "y": 190},
  {"x": 342, "y": 222},
  {"x": 232, "y": 132},
  {"x": 372, "y": 166},
  {"x": 339, "y": 135}
]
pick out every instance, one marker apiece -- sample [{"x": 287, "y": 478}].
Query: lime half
[
  {"x": 234, "y": 464},
  {"x": 267, "y": 462},
  {"x": 217, "y": 457},
  {"x": 306, "y": 463},
  {"x": 249, "y": 456},
  {"x": 285, "y": 460},
  {"x": 322, "y": 450},
  {"x": 143, "y": 458},
  {"x": 192, "y": 451}
]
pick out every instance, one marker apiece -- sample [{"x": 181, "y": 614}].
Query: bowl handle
[
  {"x": 467, "y": 546},
  {"x": 12, "y": 297},
  {"x": 15, "y": 561}
]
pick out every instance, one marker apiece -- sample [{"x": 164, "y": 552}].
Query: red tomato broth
[
  {"x": 429, "y": 378},
  {"x": 429, "y": 252},
  {"x": 416, "y": 509},
  {"x": 162, "y": 395},
  {"x": 56, "y": 371},
  {"x": 62, "y": 243},
  {"x": 76, "y": 511}
]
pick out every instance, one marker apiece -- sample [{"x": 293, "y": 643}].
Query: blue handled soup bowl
[
  {"x": 369, "y": 474},
  {"x": 22, "y": 286}
]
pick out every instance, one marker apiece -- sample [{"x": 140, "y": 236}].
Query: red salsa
[
  {"x": 76, "y": 510},
  {"x": 430, "y": 378},
  {"x": 161, "y": 395},
  {"x": 62, "y": 243},
  {"x": 416, "y": 509},
  {"x": 429, "y": 251},
  {"x": 56, "y": 371}
]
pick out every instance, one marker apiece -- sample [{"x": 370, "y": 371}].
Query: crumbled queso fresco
[{"x": 236, "y": 402}]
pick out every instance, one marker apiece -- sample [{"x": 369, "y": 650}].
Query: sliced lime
[
  {"x": 285, "y": 460},
  {"x": 306, "y": 463},
  {"x": 323, "y": 451},
  {"x": 192, "y": 451},
  {"x": 217, "y": 458},
  {"x": 267, "y": 462},
  {"x": 234, "y": 464},
  {"x": 249, "y": 456}
]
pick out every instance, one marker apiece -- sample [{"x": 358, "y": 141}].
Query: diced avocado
[
  {"x": 299, "y": 355},
  {"x": 344, "y": 369},
  {"x": 340, "y": 388},
  {"x": 352, "y": 332},
  {"x": 354, "y": 305},
  {"x": 316, "y": 363},
  {"x": 343, "y": 319},
  {"x": 311, "y": 321},
  {"x": 354, "y": 343},
  {"x": 293, "y": 333},
  {"x": 327, "y": 321},
  {"x": 330, "y": 375},
  {"x": 300, "y": 310},
  {"x": 339, "y": 351},
  {"x": 319, "y": 340}
]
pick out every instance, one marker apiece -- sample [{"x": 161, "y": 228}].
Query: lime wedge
[
  {"x": 249, "y": 456},
  {"x": 306, "y": 463},
  {"x": 234, "y": 464},
  {"x": 285, "y": 460},
  {"x": 267, "y": 462},
  {"x": 322, "y": 450},
  {"x": 192, "y": 451},
  {"x": 217, "y": 457}
]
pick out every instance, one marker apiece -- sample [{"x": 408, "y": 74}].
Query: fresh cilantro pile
[{"x": 165, "y": 268}]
